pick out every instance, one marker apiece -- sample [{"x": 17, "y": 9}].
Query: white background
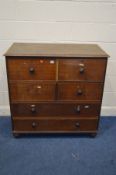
[{"x": 84, "y": 21}]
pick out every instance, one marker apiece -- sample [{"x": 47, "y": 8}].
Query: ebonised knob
[
  {"x": 33, "y": 108},
  {"x": 78, "y": 109},
  {"x": 31, "y": 70},
  {"x": 77, "y": 124},
  {"x": 81, "y": 70},
  {"x": 79, "y": 92},
  {"x": 34, "y": 124}
]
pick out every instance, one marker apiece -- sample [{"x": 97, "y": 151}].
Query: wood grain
[
  {"x": 56, "y": 50},
  {"x": 31, "y": 69},
  {"x": 52, "y": 109},
  {"x": 32, "y": 91},
  {"x": 88, "y": 91},
  {"x": 82, "y": 69},
  {"x": 64, "y": 124}
]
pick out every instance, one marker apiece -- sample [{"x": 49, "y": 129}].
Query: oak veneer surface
[{"x": 55, "y": 88}]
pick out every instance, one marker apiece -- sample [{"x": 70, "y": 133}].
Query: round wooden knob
[
  {"x": 78, "y": 109},
  {"x": 79, "y": 92},
  {"x": 33, "y": 108},
  {"x": 81, "y": 70},
  {"x": 31, "y": 70},
  {"x": 34, "y": 124},
  {"x": 77, "y": 124}
]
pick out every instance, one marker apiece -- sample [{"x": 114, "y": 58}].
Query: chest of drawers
[{"x": 55, "y": 88}]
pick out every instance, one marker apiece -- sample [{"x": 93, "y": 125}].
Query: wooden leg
[
  {"x": 16, "y": 135},
  {"x": 93, "y": 135}
]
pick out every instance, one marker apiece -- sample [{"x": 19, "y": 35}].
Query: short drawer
[
  {"x": 79, "y": 91},
  {"x": 31, "y": 91},
  {"x": 55, "y": 125},
  {"x": 52, "y": 110},
  {"x": 82, "y": 69},
  {"x": 31, "y": 68}
]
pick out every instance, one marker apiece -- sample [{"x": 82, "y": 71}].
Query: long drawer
[
  {"x": 55, "y": 109},
  {"x": 79, "y": 91},
  {"x": 55, "y": 125},
  {"x": 31, "y": 68},
  {"x": 32, "y": 90}
]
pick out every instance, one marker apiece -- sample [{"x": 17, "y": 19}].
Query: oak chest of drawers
[{"x": 55, "y": 88}]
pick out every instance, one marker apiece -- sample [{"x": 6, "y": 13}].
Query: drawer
[
  {"x": 55, "y": 125},
  {"x": 51, "y": 109},
  {"x": 31, "y": 91},
  {"x": 79, "y": 91},
  {"x": 82, "y": 69},
  {"x": 31, "y": 69}
]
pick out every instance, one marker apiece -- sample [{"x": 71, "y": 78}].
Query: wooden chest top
[{"x": 56, "y": 50}]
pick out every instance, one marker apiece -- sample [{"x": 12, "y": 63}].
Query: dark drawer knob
[
  {"x": 78, "y": 109},
  {"x": 79, "y": 92},
  {"x": 33, "y": 108},
  {"x": 77, "y": 124},
  {"x": 81, "y": 70},
  {"x": 34, "y": 124},
  {"x": 31, "y": 70}
]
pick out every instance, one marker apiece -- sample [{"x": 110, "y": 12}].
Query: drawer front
[
  {"x": 55, "y": 125},
  {"x": 82, "y": 69},
  {"x": 31, "y": 90},
  {"x": 51, "y": 109},
  {"x": 80, "y": 91},
  {"x": 31, "y": 69}
]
